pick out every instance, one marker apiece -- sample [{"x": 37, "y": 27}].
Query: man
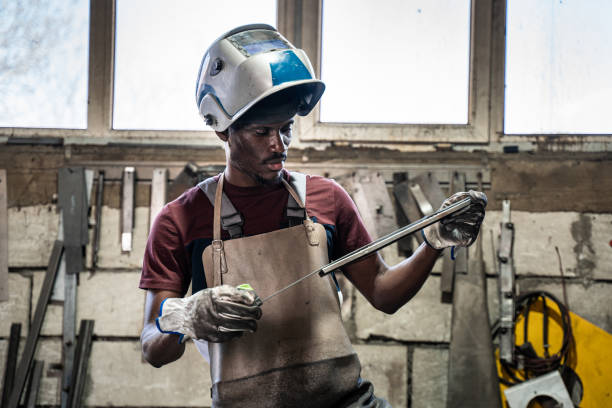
[{"x": 239, "y": 237}]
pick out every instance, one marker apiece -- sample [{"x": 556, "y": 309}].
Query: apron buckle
[{"x": 310, "y": 232}]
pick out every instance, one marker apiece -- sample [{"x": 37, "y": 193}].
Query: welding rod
[{"x": 381, "y": 242}]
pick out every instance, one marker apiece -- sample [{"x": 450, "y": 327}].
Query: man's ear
[{"x": 223, "y": 135}]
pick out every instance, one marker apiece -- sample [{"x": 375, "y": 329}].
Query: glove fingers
[
  {"x": 230, "y": 324},
  {"x": 464, "y": 219},
  {"x": 238, "y": 309}
]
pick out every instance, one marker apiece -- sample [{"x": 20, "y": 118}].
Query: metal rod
[
  {"x": 34, "y": 384},
  {"x": 96, "y": 237},
  {"x": 11, "y": 362},
  {"x": 81, "y": 362},
  {"x": 41, "y": 307},
  {"x": 380, "y": 243}
]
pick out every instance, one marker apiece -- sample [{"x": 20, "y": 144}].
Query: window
[
  {"x": 558, "y": 65},
  {"x": 396, "y": 61},
  {"x": 158, "y": 49},
  {"x": 44, "y": 63}
]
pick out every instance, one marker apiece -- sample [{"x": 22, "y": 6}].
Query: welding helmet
[{"x": 249, "y": 65}]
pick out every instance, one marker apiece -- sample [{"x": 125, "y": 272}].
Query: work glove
[
  {"x": 461, "y": 228},
  {"x": 217, "y": 314}
]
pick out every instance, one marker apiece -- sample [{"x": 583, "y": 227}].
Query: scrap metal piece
[
  {"x": 159, "y": 184},
  {"x": 549, "y": 385},
  {"x": 127, "y": 209},
  {"x": 81, "y": 361},
  {"x": 419, "y": 196},
  {"x": 4, "y": 292},
  {"x": 99, "y": 203},
  {"x": 11, "y": 362},
  {"x": 506, "y": 286},
  {"x": 41, "y": 307},
  {"x": 187, "y": 178},
  {"x": 72, "y": 200},
  {"x": 34, "y": 384},
  {"x": 407, "y": 204}
]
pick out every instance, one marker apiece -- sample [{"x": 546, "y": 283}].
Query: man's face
[{"x": 258, "y": 151}]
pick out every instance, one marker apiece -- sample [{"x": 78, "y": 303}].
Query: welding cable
[{"x": 526, "y": 362}]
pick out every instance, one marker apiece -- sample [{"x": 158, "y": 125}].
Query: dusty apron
[{"x": 300, "y": 354}]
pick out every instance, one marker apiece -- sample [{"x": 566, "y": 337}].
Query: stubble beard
[{"x": 261, "y": 181}]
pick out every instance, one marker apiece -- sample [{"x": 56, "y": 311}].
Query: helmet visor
[{"x": 254, "y": 42}]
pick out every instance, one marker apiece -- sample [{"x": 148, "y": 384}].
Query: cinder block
[
  {"x": 112, "y": 299},
  {"x": 15, "y": 310},
  {"x": 423, "y": 318},
  {"x": 118, "y": 377},
  {"x": 110, "y": 254},
  {"x": 50, "y": 351},
  {"x": 32, "y": 231},
  {"x": 601, "y": 242},
  {"x": 429, "y": 378},
  {"x": 386, "y": 368},
  {"x": 583, "y": 241}
]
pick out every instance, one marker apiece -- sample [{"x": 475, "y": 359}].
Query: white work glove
[
  {"x": 461, "y": 228},
  {"x": 217, "y": 314}
]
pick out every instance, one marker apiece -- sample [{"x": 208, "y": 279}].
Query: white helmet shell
[{"x": 246, "y": 65}]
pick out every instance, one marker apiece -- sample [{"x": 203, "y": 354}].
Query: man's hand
[
  {"x": 217, "y": 314},
  {"x": 461, "y": 228}
]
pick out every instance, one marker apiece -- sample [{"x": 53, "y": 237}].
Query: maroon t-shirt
[{"x": 184, "y": 228}]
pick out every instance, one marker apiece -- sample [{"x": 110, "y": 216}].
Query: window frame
[
  {"x": 311, "y": 129},
  {"x": 300, "y": 22}
]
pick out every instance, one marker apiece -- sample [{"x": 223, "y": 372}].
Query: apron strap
[
  {"x": 296, "y": 211},
  {"x": 231, "y": 219},
  {"x": 219, "y": 265}
]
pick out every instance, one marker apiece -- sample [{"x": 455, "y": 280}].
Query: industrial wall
[{"x": 559, "y": 201}]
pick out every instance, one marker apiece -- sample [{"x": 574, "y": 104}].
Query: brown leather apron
[{"x": 300, "y": 354}]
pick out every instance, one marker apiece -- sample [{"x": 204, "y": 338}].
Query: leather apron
[{"x": 300, "y": 355}]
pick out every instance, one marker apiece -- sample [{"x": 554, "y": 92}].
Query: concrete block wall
[{"x": 405, "y": 355}]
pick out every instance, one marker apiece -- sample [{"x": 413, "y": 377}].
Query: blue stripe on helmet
[{"x": 287, "y": 67}]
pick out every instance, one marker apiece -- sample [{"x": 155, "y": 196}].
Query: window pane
[
  {"x": 44, "y": 48},
  {"x": 558, "y": 65},
  {"x": 396, "y": 61},
  {"x": 159, "y": 46}
]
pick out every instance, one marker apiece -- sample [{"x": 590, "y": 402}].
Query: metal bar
[
  {"x": 34, "y": 384},
  {"x": 96, "y": 237},
  {"x": 4, "y": 292},
  {"x": 81, "y": 361},
  {"x": 127, "y": 209},
  {"x": 422, "y": 202},
  {"x": 41, "y": 307},
  {"x": 68, "y": 334},
  {"x": 159, "y": 190},
  {"x": 380, "y": 243},
  {"x": 11, "y": 362},
  {"x": 506, "y": 286}
]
